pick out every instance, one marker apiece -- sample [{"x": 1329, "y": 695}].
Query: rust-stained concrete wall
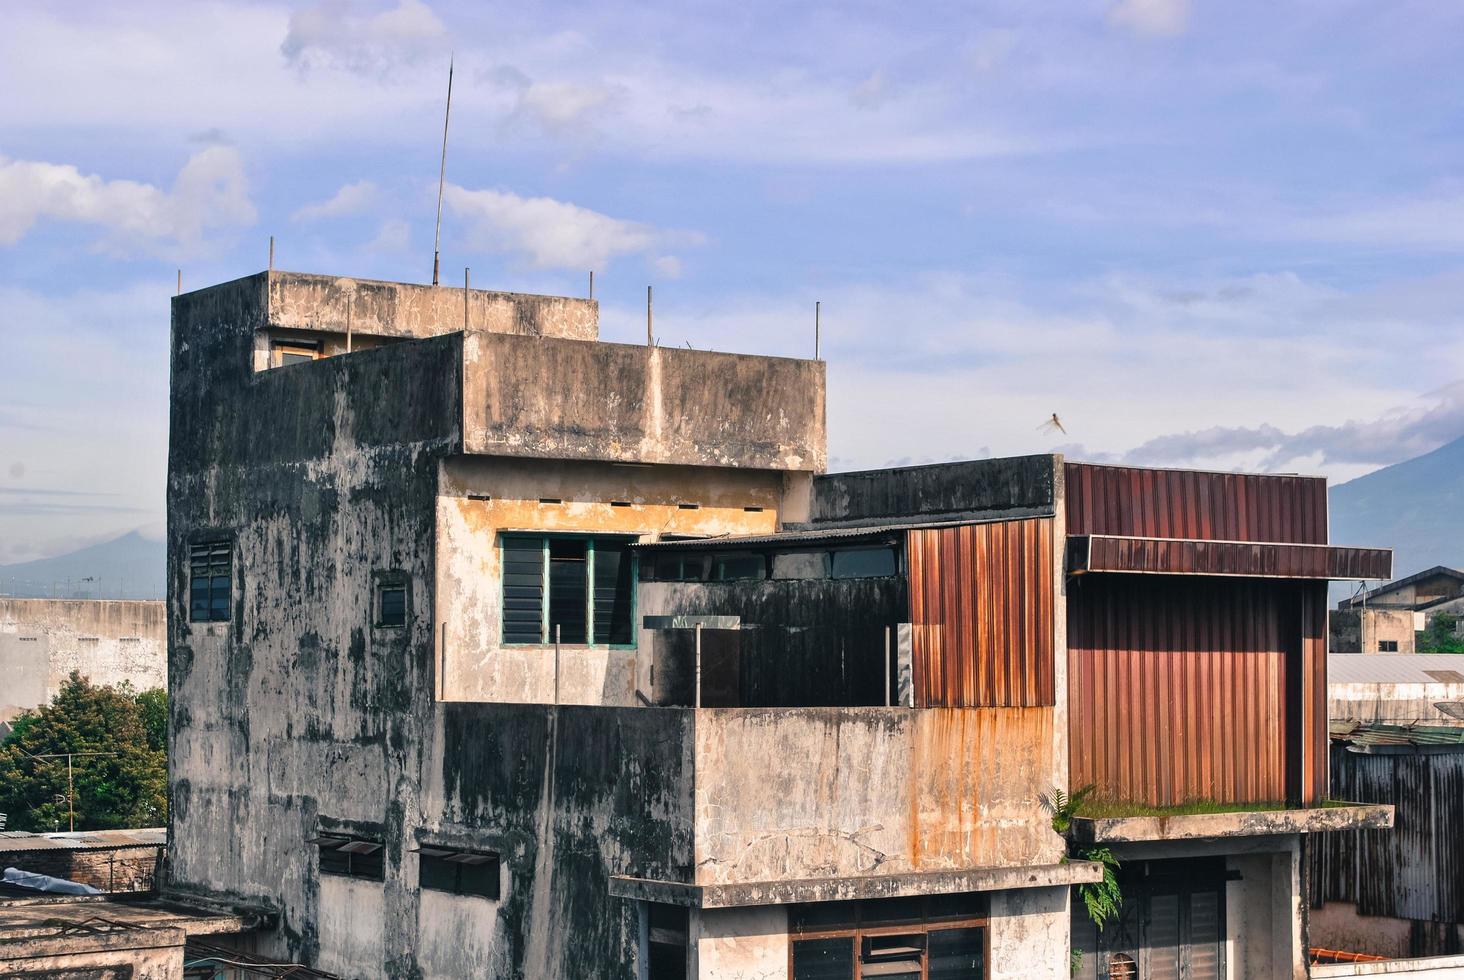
[
  {"x": 482, "y": 497},
  {"x": 300, "y": 301},
  {"x": 1393, "y": 704},
  {"x": 152, "y": 953},
  {"x": 109, "y": 641},
  {"x": 858, "y": 791},
  {"x": 563, "y": 399}
]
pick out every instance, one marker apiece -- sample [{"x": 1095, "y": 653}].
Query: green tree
[
  {"x": 1439, "y": 636},
  {"x": 125, "y": 787}
]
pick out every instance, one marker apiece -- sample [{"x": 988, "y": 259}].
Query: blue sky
[{"x": 1222, "y": 235}]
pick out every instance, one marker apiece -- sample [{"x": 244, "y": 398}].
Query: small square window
[
  {"x": 391, "y": 604},
  {"x": 210, "y": 581},
  {"x": 1387, "y": 646},
  {"x": 288, "y": 352},
  {"x": 460, "y": 872},
  {"x": 351, "y": 857}
]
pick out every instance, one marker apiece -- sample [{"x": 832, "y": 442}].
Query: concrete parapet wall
[
  {"x": 560, "y": 399},
  {"x": 298, "y": 301},
  {"x": 109, "y": 641},
  {"x": 827, "y": 792}
]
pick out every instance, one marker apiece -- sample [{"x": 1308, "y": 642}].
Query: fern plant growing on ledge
[{"x": 1103, "y": 899}]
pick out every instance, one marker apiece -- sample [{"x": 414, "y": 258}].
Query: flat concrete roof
[
  {"x": 1242, "y": 823},
  {"x": 855, "y": 887},
  {"x": 23, "y": 914},
  {"x": 14, "y": 841}
]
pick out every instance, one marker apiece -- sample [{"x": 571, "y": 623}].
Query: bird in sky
[{"x": 1052, "y": 424}]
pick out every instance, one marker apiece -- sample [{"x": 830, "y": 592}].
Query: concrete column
[{"x": 1030, "y": 934}]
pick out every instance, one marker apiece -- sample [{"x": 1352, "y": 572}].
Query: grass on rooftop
[{"x": 1104, "y": 809}]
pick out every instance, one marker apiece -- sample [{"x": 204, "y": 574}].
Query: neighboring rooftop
[
  {"x": 1396, "y": 739},
  {"x": 12, "y": 841},
  {"x": 1395, "y": 668},
  {"x": 1379, "y": 596}
]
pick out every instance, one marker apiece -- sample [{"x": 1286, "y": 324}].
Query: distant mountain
[
  {"x": 129, "y": 567},
  {"x": 1415, "y": 507}
]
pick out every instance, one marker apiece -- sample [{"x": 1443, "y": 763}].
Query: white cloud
[
  {"x": 554, "y": 234},
  {"x": 343, "y": 34},
  {"x": 1152, "y": 18},
  {"x": 873, "y": 92},
  {"x": 394, "y": 236},
  {"x": 562, "y": 105},
  {"x": 667, "y": 267},
  {"x": 211, "y": 191},
  {"x": 351, "y": 199}
]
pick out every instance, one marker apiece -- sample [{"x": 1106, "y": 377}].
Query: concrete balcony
[
  {"x": 551, "y": 398},
  {"x": 1240, "y": 823}
]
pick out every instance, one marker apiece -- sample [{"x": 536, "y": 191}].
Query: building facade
[
  {"x": 1387, "y": 619},
  {"x": 498, "y": 650},
  {"x": 109, "y": 641}
]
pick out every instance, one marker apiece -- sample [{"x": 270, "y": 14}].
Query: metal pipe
[
  {"x": 556, "y": 663},
  {"x": 271, "y": 253},
  {"x": 649, "y": 341},
  {"x": 465, "y": 298},
  {"x": 592, "y": 284},
  {"x": 442, "y": 176},
  {"x": 697, "y": 702},
  {"x": 818, "y": 304}
]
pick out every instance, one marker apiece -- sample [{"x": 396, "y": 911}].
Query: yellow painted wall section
[{"x": 481, "y": 497}]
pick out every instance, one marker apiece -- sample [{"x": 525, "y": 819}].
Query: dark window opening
[
  {"x": 688, "y": 506},
  {"x": 753, "y": 510},
  {"x": 391, "y": 605},
  {"x": 352, "y": 857},
  {"x": 209, "y": 581},
  {"x": 295, "y": 352},
  {"x": 864, "y": 563},
  {"x": 739, "y": 568},
  {"x": 666, "y": 935},
  {"x": 459, "y": 872},
  {"x": 580, "y": 589},
  {"x": 930, "y": 938},
  {"x": 551, "y": 500},
  {"x": 680, "y": 566},
  {"x": 620, "y": 503},
  {"x": 1387, "y": 646}
]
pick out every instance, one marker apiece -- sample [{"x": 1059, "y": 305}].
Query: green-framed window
[{"x": 582, "y": 585}]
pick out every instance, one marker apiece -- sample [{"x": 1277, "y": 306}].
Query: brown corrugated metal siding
[
  {"x": 1168, "y": 556},
  {"x": 1127, "y": 500},
  {"x": 1179, "y": 689},
  {"x": 981, "y": 601}
]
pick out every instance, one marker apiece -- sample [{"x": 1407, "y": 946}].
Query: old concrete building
[
  {"x": 109, "y": 641},
  {"x": 1388, "y": 618},
  {"x": 497, "y": 650}
]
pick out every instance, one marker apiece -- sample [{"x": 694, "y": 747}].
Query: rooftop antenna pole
[
  {"x": 465, "y": 297},
  {"x": 649, "y": 341},
  {"x": 816, "y": 307},
  {"x": 442, "y": 176},
  {"x": 592, "y": 284},
  {"x": 271, "y": 253},
  {"x": 180, "y": 282}
]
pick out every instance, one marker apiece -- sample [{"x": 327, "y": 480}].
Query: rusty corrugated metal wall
[
  {"x": 1184, "y": 689},
  {"x": 1188, "y": 504},
  {"x": 1187, "y": 557},
  {"x": 981, "y": 601},
  {"x": 1416, "y": 869}
]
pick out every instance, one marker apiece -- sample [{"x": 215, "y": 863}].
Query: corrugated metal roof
[
  {"x": 1370, "y": 735},
  {"x": 1392, "y": 668},
  {"x": 89, "y": 840}
]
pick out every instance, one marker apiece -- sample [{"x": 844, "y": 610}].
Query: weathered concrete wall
[
  {"x": 819, "y": 792},
  {"x": 143, "y": 954},
  {"x": 297, "y": 711},
  {"x": 1020, "y": 483},
  {"x": 562, "y": 399},
  {"x": 1395, "y": 625},
  {"x": 396, "y": 309},
  {"x": 483, "y": 497},
  {"x": 739, "y": 944},
  {"x": 1337, "y": 925},
  {"x": 109, "y": 641},
  {"x": 1394, "y": 704},
  {"x": 1030, "y": 931}
]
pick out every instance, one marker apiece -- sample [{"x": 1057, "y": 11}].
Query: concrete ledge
[
  {"x": 846, "y": 889},
  {"x": 1243, "y": 823},
  {"x": 1423, "y": 966}
]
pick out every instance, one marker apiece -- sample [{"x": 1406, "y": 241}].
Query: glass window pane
[
  {"x": 568, "y": 589},
  {"x": 393, "y": 606},
  {"x": 736, "y": 568},
  {"x": 824, "y": 959},
  {"x": 958, "y": 954},
  {"x": 864, "y": 563}
]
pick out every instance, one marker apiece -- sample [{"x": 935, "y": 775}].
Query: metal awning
[{"x": 1247, "y": 559}]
